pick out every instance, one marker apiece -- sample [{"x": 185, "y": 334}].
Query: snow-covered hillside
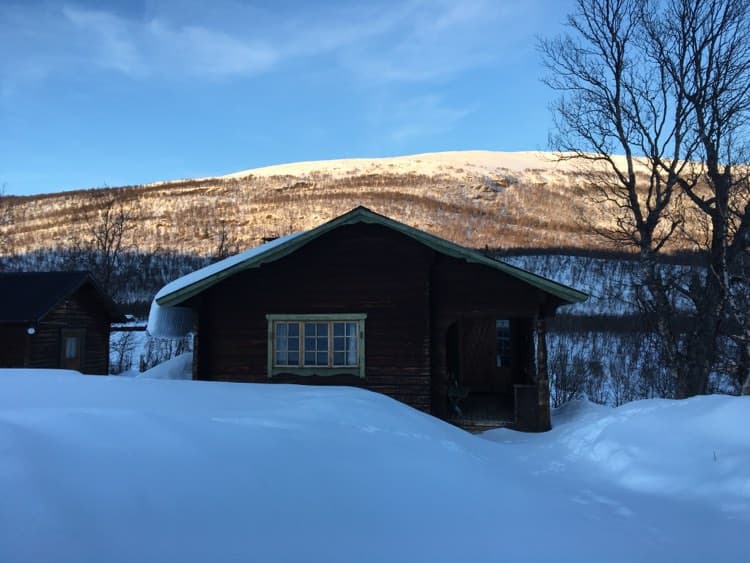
[
  {"x": 543, "y": 166},
  {"x": 475, "y": 198},
  {"x": 120, "y": 469}
]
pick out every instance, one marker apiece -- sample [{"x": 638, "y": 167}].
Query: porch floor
[{"x": 484, "y": 411}]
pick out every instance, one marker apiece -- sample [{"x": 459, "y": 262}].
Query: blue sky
[{"x": 115, "y": 93}]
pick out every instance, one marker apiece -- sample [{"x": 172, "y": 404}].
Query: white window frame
[{"x": 357, "y": 369}]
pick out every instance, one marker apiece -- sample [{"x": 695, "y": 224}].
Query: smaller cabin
[{"x": 55, "y": 320}]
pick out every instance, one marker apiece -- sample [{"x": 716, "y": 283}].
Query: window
[
  {"x": 72, "y": 347},
  {"x": 503, "y": 343},
  {"x": 316, "y": 344},
  {"x": 287, "y": 344}
]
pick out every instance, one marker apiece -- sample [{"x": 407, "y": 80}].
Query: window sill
[{"x": 316, "y": 371}]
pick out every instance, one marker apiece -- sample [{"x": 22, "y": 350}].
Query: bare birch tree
[{"x": 666, "y": 85}]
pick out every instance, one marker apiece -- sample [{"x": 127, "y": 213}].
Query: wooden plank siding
[
  {"x": 359, "y": 268},
  {"x": 13, "y": 346}
]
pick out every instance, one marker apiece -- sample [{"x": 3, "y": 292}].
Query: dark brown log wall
[
  {"x": 12, "y": 346},
  {"x": 354, "y": 269},
  {"x": 411, "y": 296}
]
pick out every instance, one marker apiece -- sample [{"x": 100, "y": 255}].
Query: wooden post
[{"x": 542, "y": 378}]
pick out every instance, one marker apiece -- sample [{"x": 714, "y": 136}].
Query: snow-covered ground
[{"x": 123, "y": 469}]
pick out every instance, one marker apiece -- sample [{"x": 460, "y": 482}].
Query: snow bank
[
  {"x": 179, "y": 367},
  {"x": 119, "y": 469}
]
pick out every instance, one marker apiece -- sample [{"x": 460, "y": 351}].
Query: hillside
[{"x": 475, "y": 198}]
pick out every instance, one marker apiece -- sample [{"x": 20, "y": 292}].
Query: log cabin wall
[
  {"x": 360, "y": 268},
  {"x": 12, "y": 345},
  {"x": 81, "y": 311}
]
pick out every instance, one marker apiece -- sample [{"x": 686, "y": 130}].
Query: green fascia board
[{"x": 362, "y": 215}]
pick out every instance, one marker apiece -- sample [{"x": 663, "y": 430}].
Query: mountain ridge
[{"x": 480, "y": 199}]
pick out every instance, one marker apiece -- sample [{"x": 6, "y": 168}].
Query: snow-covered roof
[
  {"x": 179, "y": 320},
  {"x": 171, "y": 321},
  {"x": 215, "y": 270}
]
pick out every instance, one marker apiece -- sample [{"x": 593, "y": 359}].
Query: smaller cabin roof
[
  {"x": 182, "y": 289},
  {"x": 30, "y": 296}
]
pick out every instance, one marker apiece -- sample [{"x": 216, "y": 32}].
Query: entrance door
[
  {"x": 477, "y": 353},
  {"x": 71, "y": 353},
  {"x": 485, "y": 350}
]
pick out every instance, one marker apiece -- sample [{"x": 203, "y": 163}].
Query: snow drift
[{"x": 121, "y": 469}]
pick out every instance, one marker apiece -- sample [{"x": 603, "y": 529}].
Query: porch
[
  {"x": 493, "y": 373},
  {"x": 480, "y": 411}
]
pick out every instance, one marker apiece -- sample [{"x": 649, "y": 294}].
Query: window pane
[
  {"x": 503, "y": 343},
  {"x": 351, "y": 351},
  {"x": 287, "y": 344},
  {"x": 281, "y": 329},
  {"x": 345, "y": 343},
  {"x": 71, "y": 347},
  {"x": 316, "y": 343}
]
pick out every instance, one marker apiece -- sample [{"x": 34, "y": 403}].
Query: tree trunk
[{"x": 744, "y": 367}]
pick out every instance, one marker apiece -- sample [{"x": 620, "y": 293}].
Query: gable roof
[
  {"x": 182, "y": 289},
  {"x": 30, "y": 296}
]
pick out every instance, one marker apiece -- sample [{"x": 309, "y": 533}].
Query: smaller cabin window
[
  {"x": 503, "y": 343},
  {"x": 316, "y": 344},
  {"x": 72, "y": 347}
]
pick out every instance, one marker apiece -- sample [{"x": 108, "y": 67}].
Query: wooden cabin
[
  {"x": 54, "y": 320},
  {"x": 366, "y": 301}
]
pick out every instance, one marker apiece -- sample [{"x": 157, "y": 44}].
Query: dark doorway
[{"x": 480, "y": 369}]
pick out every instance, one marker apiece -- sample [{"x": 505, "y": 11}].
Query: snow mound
[
  {"x": 690, "y": 448},
  {"x": 179, "y": 367},
  {"x": 120, "y": 469}
]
